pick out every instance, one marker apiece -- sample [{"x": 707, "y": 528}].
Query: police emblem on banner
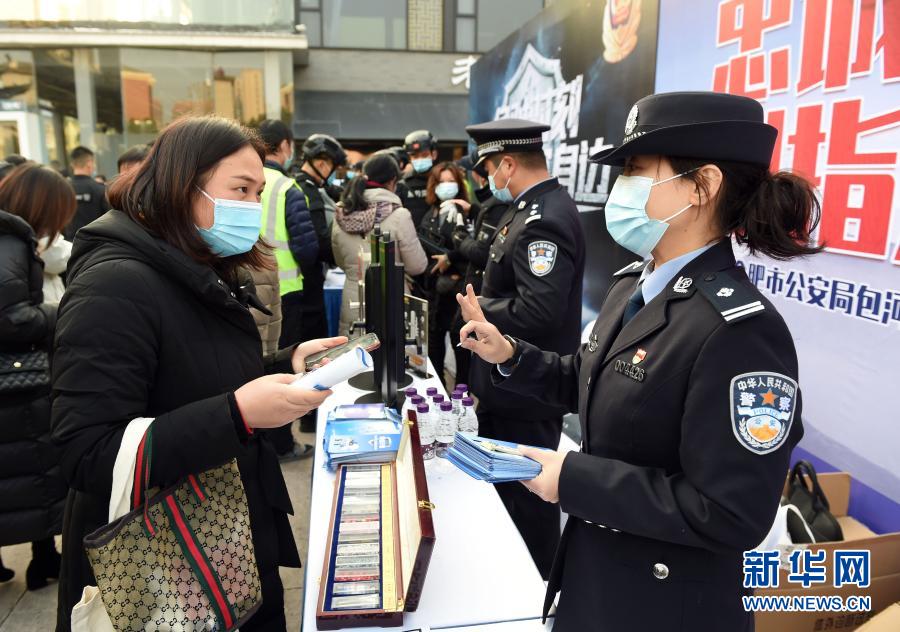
[
  {"x": 541, "y": 257},
  {"x": 762, "y": 410}
]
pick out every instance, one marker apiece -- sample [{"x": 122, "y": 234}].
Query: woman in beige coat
[{"x": 369, "y": 200}]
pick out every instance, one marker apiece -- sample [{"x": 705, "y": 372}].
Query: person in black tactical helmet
[{"x": 421, "y": 148}]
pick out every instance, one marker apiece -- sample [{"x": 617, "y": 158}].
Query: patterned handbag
[
  {"x": 23, "y": 370},
  {"x": 183, "y": 558}
]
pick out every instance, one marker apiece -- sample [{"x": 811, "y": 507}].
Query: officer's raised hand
[
  {"x": 488, "y": 343},
  {"x": 469, "y": 307}
]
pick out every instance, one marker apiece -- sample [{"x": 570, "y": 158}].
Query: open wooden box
[{"x": 380, "y": 540}]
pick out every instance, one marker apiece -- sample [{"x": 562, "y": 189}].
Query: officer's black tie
[{"x": 635, "y": 303}]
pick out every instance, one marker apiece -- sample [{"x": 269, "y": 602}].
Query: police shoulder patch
[
  {"x": 762, "y": 409},
  {"x": 541, "y": 257}
]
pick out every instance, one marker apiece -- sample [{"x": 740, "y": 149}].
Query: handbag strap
[
  {"x": 190, "y": 545},
  {"x": 805, "y": 469}
]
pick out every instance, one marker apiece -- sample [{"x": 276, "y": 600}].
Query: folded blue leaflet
[{"x": 491, "y": 460}]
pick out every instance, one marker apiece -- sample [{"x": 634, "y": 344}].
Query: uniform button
[{"x": 660, "y": 571}]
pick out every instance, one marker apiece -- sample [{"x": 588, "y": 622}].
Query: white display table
[{"x": 480, "y": 572}]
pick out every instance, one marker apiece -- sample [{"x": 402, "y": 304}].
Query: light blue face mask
[
  {"x": 351, "y": 175},
  {"x": 503, "y": 194},
  {"x": 626, "y": 214},
  {"x": 446, "y": 190},
  {"x": 331, "y": 178},
  {"x": 289, "y": 162},
  {"x": 421, "y": 165},
  {"x": 235, "y": 228}
]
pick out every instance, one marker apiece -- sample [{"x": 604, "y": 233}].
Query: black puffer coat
[
  {"x": 145, "y": 331},
  {"x": 32, "y": 492}
]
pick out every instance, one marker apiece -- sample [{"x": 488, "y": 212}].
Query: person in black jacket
[
  {"x": 155, "y": 323},
  {"x": 90, "y": 194},
  {"x": 37, "y": 202},
  {"x": 687, "y": 390},
  {"x": 472, "y": 247},
  {"x": 421, "y": 147}
]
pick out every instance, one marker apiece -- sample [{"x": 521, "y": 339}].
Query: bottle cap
[
  {"x": 410, "y": 391},
  {"x": 457, "y": 395},
  {"x": 461, "y": 387},
  {"x": 438, "y": 399},
  {"x": 422, "y": 408},
  {"x": 468, "y": 401},
  {"x": 446, "y": 406},
  {"x": 431, "y": 391},
  {"x": 415, "y": 400}
]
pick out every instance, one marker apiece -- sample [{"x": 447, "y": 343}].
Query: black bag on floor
[{"x": 805, "y": 494}]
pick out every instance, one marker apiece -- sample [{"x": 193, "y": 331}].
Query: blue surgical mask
[
  {"x": 421, "y": 165},
  {"x": 446, "y": 190},
  {"x": 331, "y": 178},
  {"x": 351, "y": 175},
  {"x": 235, "y": 228},
  {"x": 503, "y": 194},
  {"x": 289, "y": 162},
  {"x": 626, "y": 214}
]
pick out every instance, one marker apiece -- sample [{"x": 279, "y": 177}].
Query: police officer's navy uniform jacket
[
  {"x": 532, "y": 289},
  {"x": 689, "y": 414}
]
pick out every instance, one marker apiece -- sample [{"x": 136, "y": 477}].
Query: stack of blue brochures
[
  {"x": 362, "y": 433},
  {"x": 491, "y": 460}
]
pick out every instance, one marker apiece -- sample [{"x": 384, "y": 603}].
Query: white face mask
[
  {"x": 446, "y": 190},
  {"x": 626, "y": 214}
]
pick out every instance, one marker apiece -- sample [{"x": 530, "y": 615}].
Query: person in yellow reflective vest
[{"x": 287, "y": 227}]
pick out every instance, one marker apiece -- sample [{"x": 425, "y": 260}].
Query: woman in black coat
[
  {"x": 37, "y": 202},
  {"x": 155, "y": 324}
]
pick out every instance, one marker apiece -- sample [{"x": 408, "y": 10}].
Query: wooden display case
[{"x": 380, "y": 540}]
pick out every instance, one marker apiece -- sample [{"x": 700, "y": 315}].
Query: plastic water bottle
[
  {"x": 462, "y": 388},
  {"x": 456, "y": 400},
  {"x": 446, "y": 429},
  {"x": 409, "y": 403},
  {"x": 426, "y": 431},
  {"x": 468, "y": 420}
]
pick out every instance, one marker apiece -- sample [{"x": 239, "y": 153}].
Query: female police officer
[{"x": 687, "y": 391}]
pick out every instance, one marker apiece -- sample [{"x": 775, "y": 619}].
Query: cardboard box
[
  {"x": 886, "y": 621},
  {"x": 885, "y": 572}
]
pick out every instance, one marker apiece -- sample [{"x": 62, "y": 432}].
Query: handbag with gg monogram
[
  {"x": 183, "y": 558},
  {"x": 23, "y": 370}
]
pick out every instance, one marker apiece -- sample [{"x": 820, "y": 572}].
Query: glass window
[
  {"x": 158, "y": 86},
  {"x": 18, "y": 90},
  {"x": 465, "y": 34},
  {"x": 55, "y": 74},
  {"x": 239, "y": 86},
  {"x": 286, "y": 87},
  {"x": 499, "y": 18},
  {"x": 465, "y": 7},
  {"x": 313, "y": 22},
  {"x": 176, "y": 12},
  {"x": 9, "y": 138},
  {"x": 109, "y": 137},
  {"x": 364, "y": 24}
]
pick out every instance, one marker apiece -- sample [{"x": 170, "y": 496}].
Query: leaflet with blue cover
[
  {"x": 362, "y": 435},
  {"x": 491, "y": 460}
]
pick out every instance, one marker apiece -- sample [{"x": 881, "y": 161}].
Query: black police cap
[
  {"x": 703, "y": 125},
  {"x": 507, "y": 136},
  {"x": 319, "y": 144},
  {"x": 419, "y": 140}
]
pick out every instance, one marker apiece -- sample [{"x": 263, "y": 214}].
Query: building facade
[{"x": 109, "y": 74}]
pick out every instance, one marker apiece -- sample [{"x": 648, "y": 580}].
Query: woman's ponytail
[
  {"x": 770, "y": 213},
  {"x": 377, "y": 171}
]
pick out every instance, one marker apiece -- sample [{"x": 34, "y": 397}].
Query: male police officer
[
  {"x": 421, "y": 146},
  {"x": 532, "y": 285}
]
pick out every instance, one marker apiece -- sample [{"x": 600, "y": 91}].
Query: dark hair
[
  {"x": 434, "y": 179},
  {"x": 80, "y": 155},
  {"x": 377, "y": 171},
  {"x": 527, "y": 159},
  {"x": 16, "y": 159},
  {"x": 771, "y": 213},
  {"x": 40, "y": 196},
  {"x": 274, "y": 132},
  {"x": 133, "y": 155},
  {"x": 158, "y": 195}
]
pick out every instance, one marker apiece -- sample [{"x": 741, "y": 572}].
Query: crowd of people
[{"x": 190, "y": 290}]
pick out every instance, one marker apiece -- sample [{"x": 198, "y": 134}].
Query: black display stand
[{"x": 384, "y": 316}]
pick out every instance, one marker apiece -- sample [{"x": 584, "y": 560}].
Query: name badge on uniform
[
  {"x": 541, "y": 257},
  {"x": 762, "y": 410}
]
